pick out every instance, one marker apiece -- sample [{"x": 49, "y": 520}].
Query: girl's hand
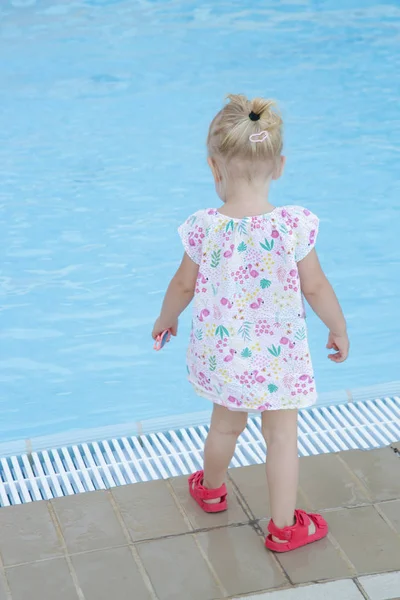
[
  {"x": 160, "y": 326},
  {"x": 340, "y": 343}
]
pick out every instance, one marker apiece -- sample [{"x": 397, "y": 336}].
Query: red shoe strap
[
  {"x": 297, "y": 531},
  {"x": 196, "y": 481}
]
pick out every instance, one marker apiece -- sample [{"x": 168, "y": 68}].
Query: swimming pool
[{"x": 105, "y": 108}]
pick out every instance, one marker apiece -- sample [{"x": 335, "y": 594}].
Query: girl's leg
[
  {"x": 279, "y": 428},
  {"x": 226, "y": 426}
]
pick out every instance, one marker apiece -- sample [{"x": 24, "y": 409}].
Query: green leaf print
[
  {"x": 274, "y": 351},
  {"x": 242, "y": 227},
  {"x": 265, "y": 283},
  {"x": 300, "y": 334},
  {"x": 246, "y": 353},
  {"x": 214, "y": 289},
  {"x": 283, "y": 228},
  {"x": 192, "y": 220},
  {"x": 222, "y": 332},
  {"x": 212, "y": 362},
  {"x": 199, "y": 334},
  {"x": 215, "y": 258},
  {"x": 272, "y": 388},
  {"x": 229, "y": 225},
  {"x": 244, "y": 331},
  {"x": 267, "y": 245},
  {"x": 242, "y": 247}
]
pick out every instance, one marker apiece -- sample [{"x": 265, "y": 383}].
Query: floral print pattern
[{"x": 248, "y": 345}]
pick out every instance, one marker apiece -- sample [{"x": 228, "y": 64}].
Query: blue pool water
[{"x": 104, "y": 109}]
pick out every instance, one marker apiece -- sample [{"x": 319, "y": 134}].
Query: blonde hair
[{"x": 231, "y": 129}]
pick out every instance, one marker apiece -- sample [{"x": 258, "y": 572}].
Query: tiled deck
[{"x": 150, "y": 541}]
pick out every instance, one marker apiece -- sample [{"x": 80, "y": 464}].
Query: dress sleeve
[
  {"x": 306, "y": 233},
  {"x": 192, "y": 233}
]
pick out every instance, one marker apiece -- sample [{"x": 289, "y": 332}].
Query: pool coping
[{"x": 193, "y": 419}]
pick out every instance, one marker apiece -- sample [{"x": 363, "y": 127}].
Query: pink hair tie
[{"x": 259, "y": 137}]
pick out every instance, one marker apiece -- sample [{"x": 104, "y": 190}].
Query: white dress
[{"x": 248, "y": 346}]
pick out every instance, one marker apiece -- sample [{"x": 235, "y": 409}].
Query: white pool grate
[{"x": 99, "y": 465}]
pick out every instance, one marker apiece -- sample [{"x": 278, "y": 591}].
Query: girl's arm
[
  {"x": 322, "y": 299},
  {"x": 178, "y": 296}
]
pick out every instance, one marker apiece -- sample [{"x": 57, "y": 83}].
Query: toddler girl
[{"x": 247, "y": 265}]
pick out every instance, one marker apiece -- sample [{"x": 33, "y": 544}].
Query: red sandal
[
  {"x": 297, "y": 535},
  {"x": 200, "y": 494}
]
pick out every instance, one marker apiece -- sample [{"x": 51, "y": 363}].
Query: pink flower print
[
  {"x": 229, "y": 253},
  {"x": 252, "y": 271},
  {"x": 226, "y": 302},
  {"x": 275, "y": 234},
  {"x": 262, "y": 328},
  {"x": 284, "y": 213},
  {"x": 257, "y": 304},
  {"x": 306, "y": 212},
  {"x": 191, "y": 241},
  {"x": 229, "y": 357},
  {"x": 312, "y": 237}
]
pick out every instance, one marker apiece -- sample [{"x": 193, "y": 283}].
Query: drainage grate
[{"x": 109, "y": 463}]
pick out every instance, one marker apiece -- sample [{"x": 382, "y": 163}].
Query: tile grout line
[
  {"x": 61, "y": 539},
  {"x": 3, "y": 578},
  {"x": 178, "y": 504},
  {"x": 255, "y": 524},
  {"x": 386, "y": 519},
  {"x": 210, "y": 567},
  {"x": 135, "y": 554},
  {"x": 360, "y": 588},
  {"x": 357, "y": 480}
]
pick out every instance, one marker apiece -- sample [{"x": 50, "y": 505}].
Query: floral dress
[{"x": 248, "y": 346}]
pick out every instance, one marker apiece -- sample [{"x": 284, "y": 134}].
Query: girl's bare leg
[
  {"x": 279, "y": 428},
  {"x": 280, "y": 433},
  {"x": 226, "y": 426}
]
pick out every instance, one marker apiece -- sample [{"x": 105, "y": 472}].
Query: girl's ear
[
  {"x": 279, "y": 168},
  {"x": 214, "y": 169}
]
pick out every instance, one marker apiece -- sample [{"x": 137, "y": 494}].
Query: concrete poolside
[{"x": 150, "y": 541}]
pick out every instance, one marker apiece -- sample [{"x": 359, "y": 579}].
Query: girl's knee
[{"x": 228, "y": 422}]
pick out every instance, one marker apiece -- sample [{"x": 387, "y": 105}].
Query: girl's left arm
[{"x": 178, "y": 296}]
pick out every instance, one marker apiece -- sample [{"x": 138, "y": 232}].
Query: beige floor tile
[
  {"x": 110, "y": 574},
  {"x": 366, "y": 539},
  {"x": 198, "y": 518},
  {"x": 240, "y": 560},
  {"x": 252, "y": 483},
  {"x": 327, "y": 483},
  {"x": 149, "y": 510},
  {"x": 3, "y": 595},
  {"x": 382, "y": 587},
  {"x": 379, "y": 470},
  {"x": 88, "y": 522},
  {"x": 315, "y": 562},
  {"x": 27, "y": 534},
  {"x": 47, "y": 580},
  {"x": 177, "y": 569},
  {"x": 392, "y": 511}
]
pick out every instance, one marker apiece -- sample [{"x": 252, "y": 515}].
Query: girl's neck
[{"x": 246, "y": 200}]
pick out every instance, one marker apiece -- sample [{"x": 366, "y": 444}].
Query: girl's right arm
[{"x": 322, "y": 299}]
